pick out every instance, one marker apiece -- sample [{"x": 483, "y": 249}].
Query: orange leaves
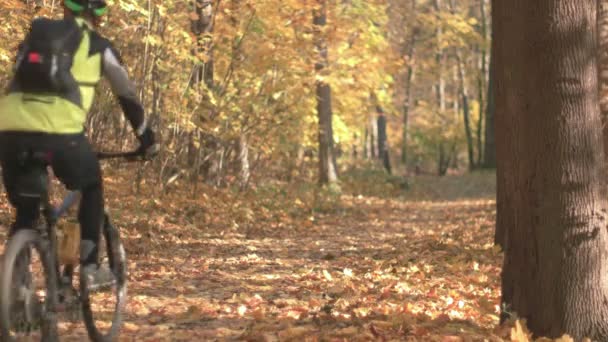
[{"x": 377, "y": 269}]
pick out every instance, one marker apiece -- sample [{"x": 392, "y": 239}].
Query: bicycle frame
[
  {"x": 73, "y": 196},
  {"x": 43, "y": 237},
  {"x": 52, "y": 214}
]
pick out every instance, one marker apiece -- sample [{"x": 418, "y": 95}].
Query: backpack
[{"x": 45, "y": 60}]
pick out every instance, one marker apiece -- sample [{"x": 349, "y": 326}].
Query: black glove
[{"x": 147, "y": 143}]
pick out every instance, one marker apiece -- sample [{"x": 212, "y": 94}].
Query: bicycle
[{"x": 39, "y": 308}]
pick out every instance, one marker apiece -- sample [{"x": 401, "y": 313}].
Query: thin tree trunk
[
  {"x": 244, "y": 161},
  {"x": 373, "y": 142},
  {"x": 481, "y": 88},
  {"x": 489, "y": 149},
  {"x": 202, "y": 27},
  {"x": 440, "y": 86},
  {"x": 550, "y": 165},
  {"x": 464, "y": 95},
  {"x": 383, "y": 141},
  {"x": 444, "y": 159},
  {"x": 411, "y": 65},
  {"x": 465, "y": 110},
  {"x": 327, "y": 166},
  {"x": 483, "y": 80},
  {"x": 367, "y": 148}
]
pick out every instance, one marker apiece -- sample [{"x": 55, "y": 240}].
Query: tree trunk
[
  {"x": 440, "y": 89},
  {"x": 327, "y": 166},
  {"x": 550, "y": 160},
  {"x": 464, "y": 95},
  {"x": 372, "y": 123},
  {"x": 409, "y": 76},
  {"x": 367, "y": 149},
  {"x": 383, "y": 141},
  {"x": 244, "y": 161},
  {"x": 489, "y": 149},
  {"x": 483, "y": 79},
  {"x": 444, "y": 160},
  {"x": 602, "y": 24},
  {"x": 202, "y": 27}
]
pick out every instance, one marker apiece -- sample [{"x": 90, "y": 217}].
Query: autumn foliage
[{"x": 265, "y": 255}]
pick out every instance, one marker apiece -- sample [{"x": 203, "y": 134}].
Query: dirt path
[
  {"x": 381, "y": 268},
  {"x": 376, "y": 270}
]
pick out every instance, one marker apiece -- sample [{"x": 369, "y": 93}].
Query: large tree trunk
[
  {"x": 327, "y": 166},
  {"x": 602, "y": 24},
  {"x": 550, "y": 160}
]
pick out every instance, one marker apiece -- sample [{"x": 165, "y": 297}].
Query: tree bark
[
  {"x": 464, "y": 95},
  {"x": 383, "y": 141},
  {"x": 244, "y": 161},
  {"x": 440, "y": 90},
  {"x": 489, "y": 149},
  {"x": 327, "y": 166},
  {"x": 409, "y": 76},
  {"x": 482, "y": 80},
  {"x": 444, "y": 159},
  {"x": 602, "y": 24},
  {"x": 202, "y": 27},
  {"x": 550, "y": 162}
]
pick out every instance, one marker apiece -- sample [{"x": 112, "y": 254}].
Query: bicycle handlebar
[{"x": 73, "y": 196}]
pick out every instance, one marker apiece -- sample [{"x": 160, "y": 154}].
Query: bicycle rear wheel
[
  {"x": 25, "y": 297},
  {"x": 102, "y": 310}
]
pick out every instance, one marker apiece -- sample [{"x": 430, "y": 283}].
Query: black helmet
[{"x": 95, "y": 7}]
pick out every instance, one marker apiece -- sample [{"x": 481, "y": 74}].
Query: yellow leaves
[
  {"x": 520, "y": 333},
  {"x": 153, "y": 39}
]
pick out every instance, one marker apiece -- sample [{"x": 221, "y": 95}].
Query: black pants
[{"x": 73, "y": 161}]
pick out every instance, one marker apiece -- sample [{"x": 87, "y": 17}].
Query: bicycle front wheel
[
  {"x": 24, "y": 290},
  {"x": 103, "y": 309}
]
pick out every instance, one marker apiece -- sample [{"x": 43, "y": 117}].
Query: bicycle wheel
[
  {"x": 102, "y": 310},
  {"x": 25, "y": 297}
]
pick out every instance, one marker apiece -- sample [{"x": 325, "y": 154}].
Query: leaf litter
[{"x": 378, "y": 269}]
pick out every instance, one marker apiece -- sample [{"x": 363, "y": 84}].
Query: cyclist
[{"x": 53, "y": 123}]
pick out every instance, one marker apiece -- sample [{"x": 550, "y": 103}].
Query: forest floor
[{"x": 402, "y": 263}]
